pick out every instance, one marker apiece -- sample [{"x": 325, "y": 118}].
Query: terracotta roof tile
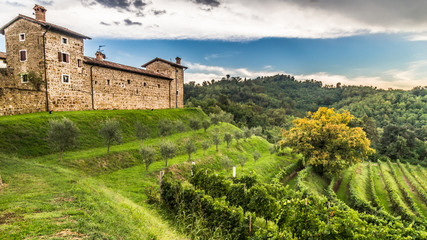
[
  {"x": 107, "y": 64},
  {"x": 45, "y": 24},
  {"x": 165, "y": 61},
  {"x": 2, "y": 55}
]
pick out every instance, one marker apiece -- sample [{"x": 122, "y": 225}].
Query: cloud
[
  {"x": 16, "y": 4},
  {"x": 235, "y": 20},
  {"x": 158, "y": 12},
  {"x": 139, "y": 4},
  {"x": 129, "y": 22},
  {"x": 45, "y": 3},
  {"x": 383, "y": 13},
  {"x": 414, "y": 75},
  {"x": 210, "y": 3}
]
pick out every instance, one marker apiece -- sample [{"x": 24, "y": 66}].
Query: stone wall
[
  {"x": 33, "y": 44},
  {"x": 175, "y": 73},
  {"x": 76, "y": 94},
  {"x": 128, "y": 90},
  {"x": 14, "y": 100}
]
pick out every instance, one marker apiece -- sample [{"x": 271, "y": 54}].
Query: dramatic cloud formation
[{"x": 235, "y": 19}]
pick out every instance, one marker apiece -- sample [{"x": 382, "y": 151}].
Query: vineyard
[{"x": 381, "y": 200}]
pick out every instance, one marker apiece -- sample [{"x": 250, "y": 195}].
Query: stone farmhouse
[{"x": 47, "y": 71}]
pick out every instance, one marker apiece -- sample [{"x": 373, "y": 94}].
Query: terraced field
[{"x": 387, "y": 189}]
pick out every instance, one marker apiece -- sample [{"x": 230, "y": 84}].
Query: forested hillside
[{"x": 395, "y": 120}]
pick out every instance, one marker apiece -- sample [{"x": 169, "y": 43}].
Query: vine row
[{"x": 398, "y": 205}]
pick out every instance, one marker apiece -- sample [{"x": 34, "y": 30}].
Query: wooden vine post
[
  {"x": 160, "y": 183},
  {"x": 250, "y": 224}
]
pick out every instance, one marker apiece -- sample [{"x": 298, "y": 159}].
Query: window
[
  {"x": 23, "y": 55},
  {"x": 145, "y": 84},
  {"x": 22, "y": 37},
  {"x": 24, "y": 78},
  {"x": 64, "y": 40},
  {"x": 128, "y": 81},
  {"x": 158, "y": 85},
  {"x": 108, "y": 82},
  {"x": 96, "y": 82},
  {"x": 63, "y": 57},
  {"x": 65, "y": 78},
  {"x": 79, "y": 63}
]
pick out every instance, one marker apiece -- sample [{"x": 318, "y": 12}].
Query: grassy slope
[
  {"x": 25, "y": 135},
  {"x": 94, "y": 195}
]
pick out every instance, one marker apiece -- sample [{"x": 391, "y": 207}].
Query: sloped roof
[
  {"x": 2, "y": 55},
  {"x": 113, "y": 65},
  {"x": 44, "y": 24},
  {"x": 165, "y": 61}
]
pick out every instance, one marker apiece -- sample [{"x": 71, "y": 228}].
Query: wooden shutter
[
  {"x": 23, "y": 55},
  {"x": 67, "y": 58},
  {"x": 60, "y": 56}
]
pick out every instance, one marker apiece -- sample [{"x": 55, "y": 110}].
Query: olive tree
[
  {"x": 180, "y": 127},
  {"x": 142, "y": 131},
  {"x": 206, "y": 124},
  {"x": 228, "y": 138},
  {"x": 165, "y": 128},
  {"x": 148, "y": 155},
  {"x": 205, "y": 145},
  {"x": 110, "y": 131},
  {"x": 247, "y": 133},
  {"x": 226, "y": 163},
  {"x": 167, "y": 150},
  {"x": 216, "y": 140},
  {"x": 190, "y": 148},
  {"x": 242, "y": 160},
  {"x": 194, "y": 124},
  {"x": 256, "y": 155},
  {"x": 62, "y": 135},
  {"x": 238, "y": 135}
]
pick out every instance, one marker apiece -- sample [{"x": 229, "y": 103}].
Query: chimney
[
  {"x": 100, "y": 56},
  {"x": 40, "y": 13},
  {"x": 178, "y": 60}
]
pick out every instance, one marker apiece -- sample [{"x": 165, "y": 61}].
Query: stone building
[{"x": 47, "y": 71}]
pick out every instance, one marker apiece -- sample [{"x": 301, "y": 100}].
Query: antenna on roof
[{"x": 99, "y": 48}]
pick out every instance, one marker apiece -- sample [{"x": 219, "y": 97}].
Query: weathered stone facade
[{"x": 75, "y": 82}]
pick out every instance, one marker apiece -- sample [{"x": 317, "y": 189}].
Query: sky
[{"x": 380, "y": 43}]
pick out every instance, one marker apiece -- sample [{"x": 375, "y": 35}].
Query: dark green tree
[
  {"x": 167, "y": 150},
  {"x": 256, "y": 155},
  {"x": 206, "y": 124},
  {"x": 190, "y": 148},
  {"x": 228, "y": 138},
  {"x": 63, "y": 134},
  {"x": 148, "y": 155},
  {"x": 142, "y": 131},
  {"x": 110, "y": 131}
]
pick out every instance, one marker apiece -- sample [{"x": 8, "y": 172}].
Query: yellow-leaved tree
[{"x": 327, "y": 142}]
